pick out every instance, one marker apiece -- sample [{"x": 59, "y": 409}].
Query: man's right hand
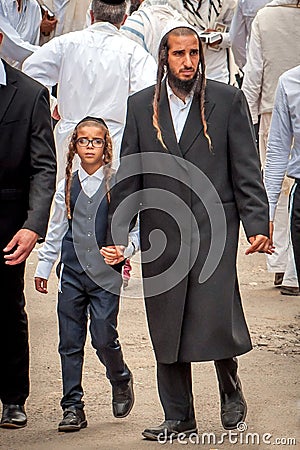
[
  {"x": 47, "y": 25},
  {"x": 41, "y": 285}
]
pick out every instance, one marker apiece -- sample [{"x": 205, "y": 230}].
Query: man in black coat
[
  {"x": 189, "y": 164},
  {"x": 27, "y": 182}
]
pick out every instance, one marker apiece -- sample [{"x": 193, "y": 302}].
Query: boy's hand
[
  {"x": 41, "y": 285},
  {"x": 113, "y": 254},
  {"x": 260, "y": 244}
]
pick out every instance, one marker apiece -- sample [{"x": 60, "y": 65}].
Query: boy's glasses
[{"x": 84, "y": 142}]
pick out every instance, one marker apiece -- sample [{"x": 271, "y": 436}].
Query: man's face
[{"x": 183, "y": 56}]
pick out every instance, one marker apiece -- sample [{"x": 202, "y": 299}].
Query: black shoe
[
  {"x": 289, "y": 290},
  {"x": 73, "y": 419},
  {"x": 13, "y": 416},
  {"x": 171, "y": 428},
  {"x": 122, "y": 399},
  {"x": 233, "y": 408}
]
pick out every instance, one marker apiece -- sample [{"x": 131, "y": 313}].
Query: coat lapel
[
  {"x": 193, "y": 125},
  {"x": 166, "y": 123},
  {"x": 7, "y": 92}
]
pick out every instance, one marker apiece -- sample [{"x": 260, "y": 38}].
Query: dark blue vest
[{"x": 87, "y": 234}]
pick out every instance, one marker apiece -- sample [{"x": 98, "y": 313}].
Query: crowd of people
[{"x": 155, "y": 125}]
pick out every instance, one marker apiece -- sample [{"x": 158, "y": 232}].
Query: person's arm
[
  {"x": 50, "y": 250},
  {"x": 13, "y": 46},
  {"x": 278, "y": 148},
  {"x": 238, "y": 35},
  {"x": 253, "y": 72},
  {"x": 44, "y": 65},
  {"x": 41, "y": 182},
  {"x": 248, "y": 188},
  {"x": 143, "y": 70}
]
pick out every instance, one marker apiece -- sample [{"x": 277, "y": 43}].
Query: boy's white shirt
[{"x": 58, "y": 225}]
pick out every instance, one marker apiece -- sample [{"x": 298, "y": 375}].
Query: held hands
[
  {"x": 41, "y": 285},
  {"x": 261, "y": 244},
  {"x": 24, "y": 241},
  {"x": 113, "y": 254}
]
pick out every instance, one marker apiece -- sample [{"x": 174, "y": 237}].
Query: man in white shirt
[
  {"x": 70, "y": 15},
  {"x": 273, "y": 49},
  {"x": 283, "y": 155},
  {"x": 96, "y": 70},
  {"x": 240, "y": 29},
  {"x": 145, "y": 27},
  {"x": 20, "y": 23}
]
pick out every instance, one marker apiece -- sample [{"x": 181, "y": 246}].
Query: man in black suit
[
  {"x": 27, "y": 182},
  {"x": 189, "y": 164}
]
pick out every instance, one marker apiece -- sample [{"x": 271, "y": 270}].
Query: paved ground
[{"x": 270, "y": 376}]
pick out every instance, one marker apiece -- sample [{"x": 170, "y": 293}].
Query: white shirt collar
[
  {"x": 83, "y": 175},
  {"x": 2, "y": 74},
  {"x": 104, "y": 26}
]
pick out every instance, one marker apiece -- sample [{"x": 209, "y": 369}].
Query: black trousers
[
  {"x": 79, "y": 297},
  {"x": 295, "y": 227},
  {"x": 14, "y": 350},
  {"x": 175, "y": 386}
]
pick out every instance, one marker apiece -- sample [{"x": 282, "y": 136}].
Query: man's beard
[{"x": 183, "y": 86}]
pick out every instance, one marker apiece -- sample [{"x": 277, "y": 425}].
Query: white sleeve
[
  {"x": 58, "y": 227},
  {"x": 253, "y": 72},
  {"x": 238, "y": 34},
  {"x": 143, "y": 70},
  {"x": 134, "y": 240},
  {"x": 278, "y": 148},
  {"x": 13, "y": 46},
  {"x": 44, "y": 65}
]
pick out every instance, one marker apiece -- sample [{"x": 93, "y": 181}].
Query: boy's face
[{"x": 91, "y": 155}]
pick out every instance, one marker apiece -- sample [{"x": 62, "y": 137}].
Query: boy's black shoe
[
  {"x": 73, "y": 419},
  {"x": 13, "y": 416},
  {"x": 123, "y": 399}
]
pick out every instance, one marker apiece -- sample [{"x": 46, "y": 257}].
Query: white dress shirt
[
  {"x": 96, "y": 70},
  {"x": 240, "y": 29},
  {"x": 283, "y": 153},
  {"x": 58, "y": 225},
  {"x": 179, "y": 110},
  {"x": 2, "y": 74},
  {"x": 21, "y": 30}
]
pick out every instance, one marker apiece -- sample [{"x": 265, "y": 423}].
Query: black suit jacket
[
  {"x": 27, "y": 156},
  {"x": 191, "y": 201}
]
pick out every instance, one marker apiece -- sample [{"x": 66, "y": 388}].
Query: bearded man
[{"x": 189, "y": 165}]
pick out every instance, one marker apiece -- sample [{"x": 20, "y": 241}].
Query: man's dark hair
[
  {"x": 104, "y": 12},
  {"x": 163, "y": 69}
]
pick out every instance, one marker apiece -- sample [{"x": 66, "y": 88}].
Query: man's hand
[
  {"x": 47, "y": 25},
  {"x": 55, "y": 113},
  {"x": 113, "y": 254},
  {"x": 261, "y": 244},
  {"x": 41, "y": 285},
  {"x": 24, "y": 241}
]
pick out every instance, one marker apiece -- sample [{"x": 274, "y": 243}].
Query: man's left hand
[
  {"x": 261, "y": 244},
  {"x": 113, "y": 254},
  {"x": 24, "y": 241}
]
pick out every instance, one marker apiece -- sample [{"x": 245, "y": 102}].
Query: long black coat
[
  {"x": 191, "y": 201},
  {"x": 27, "y": 156}
]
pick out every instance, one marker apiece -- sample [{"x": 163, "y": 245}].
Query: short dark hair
[{"x": 104, "y": 12}]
